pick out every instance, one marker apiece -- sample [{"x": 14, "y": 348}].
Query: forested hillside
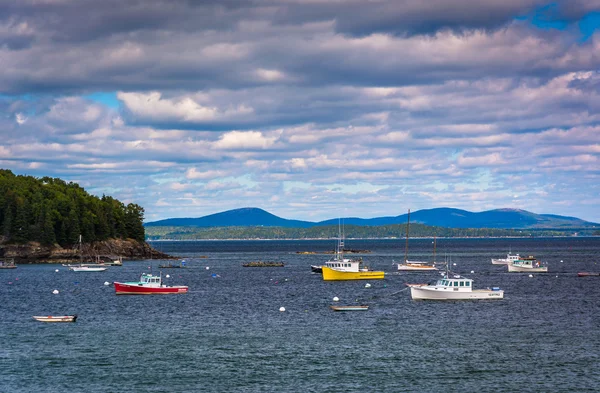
[{"x": 50, "y": 211}]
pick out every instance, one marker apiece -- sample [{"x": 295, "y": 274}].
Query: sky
[{"x": 309, "y": 109}]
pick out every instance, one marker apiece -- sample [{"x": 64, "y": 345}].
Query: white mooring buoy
[
  {"x": 167, "y": 276},
  {"x": 282, "y": 309},
  {"x": 55, "y": 292},
  {"x": 106, "y": 283},
  {"x": 367, "y": 285},
  {"x": 56, "y": 270},
  {"x": 531, "y": 275},
  {"x": 336, "y": 299}
]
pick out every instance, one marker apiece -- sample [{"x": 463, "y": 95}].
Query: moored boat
[
  {"x": 349, "y": 308},
  {"x": 415, "y": 266},
  {"x": 316, "y": 268},
  {"x": 148, "y": 285},
  {"x": 527, "y": 265},
  {"x": 339, "y": 268},
  {"x": 453, "y": 287},
  {"x": 510, "y": 258},
  {"x": 55, "y": 318},
  {"x": 7, "y": 264},
  {"x": 588, "y": 274},
  {"x": 87, "y": 268}
]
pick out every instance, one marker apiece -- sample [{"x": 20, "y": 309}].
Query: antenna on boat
[{"x": 406, "y": 248}]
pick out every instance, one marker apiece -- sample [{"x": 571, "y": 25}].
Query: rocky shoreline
[{"x": 34, "y": 252}]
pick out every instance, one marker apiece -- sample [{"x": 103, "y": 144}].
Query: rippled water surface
[{"x": 228, "y": 335}]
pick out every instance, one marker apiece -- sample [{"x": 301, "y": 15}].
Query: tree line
[
  {"x": 331, "y": 231},
  {"x": 52, "y": 211}
]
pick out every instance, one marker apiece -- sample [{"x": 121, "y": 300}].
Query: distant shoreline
[{"x": 377, "y": 238}]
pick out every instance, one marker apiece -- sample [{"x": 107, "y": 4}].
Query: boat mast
[
  {"x": 406, "y": 248},
  {"x": 80, "y": 251},
  {"x": 434, "y": 249}
]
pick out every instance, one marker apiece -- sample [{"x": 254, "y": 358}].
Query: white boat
[
  {"x": 55, "y": 318},
  {"x": 349, "y": 308},
  {"x": 87, "y": 268},
  {"x": 453, "y": 287},
  {"x": 527, "y": 265},
  {"x": 510, "y": 258},
  {"x": 415, "y": 266}
]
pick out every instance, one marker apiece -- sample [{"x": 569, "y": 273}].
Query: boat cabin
[
  {"x": 150, "y": 280},
  {"x": 527, "y": 262},
  {"x": 459, "y": 284},
  {"x": 345, "y": 265}
]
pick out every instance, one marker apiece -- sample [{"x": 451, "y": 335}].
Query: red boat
[{"x": 148, "y": 285}]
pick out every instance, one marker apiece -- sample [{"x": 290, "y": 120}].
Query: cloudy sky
[{"x": 309, "y": 109}]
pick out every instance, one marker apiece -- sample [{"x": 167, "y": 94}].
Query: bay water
[{"x": 229, "y": 335}]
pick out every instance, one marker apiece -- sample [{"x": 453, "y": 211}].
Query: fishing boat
[
  {"x": 453, "y": 287},
  {"x": 510, "y": 258},
  {"x": 415, "y": 266},
  {"x": 349, "y": 308},
  {"x": 527, "y": 265},
  {"x": 55, "y": 318},
  {"x": 339, "y": 268},
  {"x": 148, "y": 285}
]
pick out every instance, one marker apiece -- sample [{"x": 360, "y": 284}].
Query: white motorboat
[
  {"x": 55, "y": 318},
  {"x": 527, "y": 265},
  {"x": 453, "y": 287},
  {"x": 510, "y": 258},
  {"x": 87, "y": 268}
]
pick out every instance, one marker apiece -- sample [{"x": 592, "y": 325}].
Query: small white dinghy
[{"x": 55, "y": 318}]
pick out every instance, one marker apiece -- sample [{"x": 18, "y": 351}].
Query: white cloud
[{"x": 236, "y": 140}]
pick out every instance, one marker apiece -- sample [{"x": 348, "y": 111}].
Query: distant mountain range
[{"x": 441, "y": 217}]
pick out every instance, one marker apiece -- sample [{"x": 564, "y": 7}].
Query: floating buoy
[
  {"x": 454, "y": 264},
  {"x": 167, "y": 276},
  {"x": 561, "y": 261},
  {"x": 106, "y": 283},
  {"x": 56, "y": 270},
  {"x": 367, "y": 285},
  {"x": 531, "y": 275},
  {"x": 55, "y": 292},
  {"x": 336, "y": 299},
  {"x": 472, "y": 271},
  {"x": 207, "y": 268},
  {"x": 282, "y": 309}
]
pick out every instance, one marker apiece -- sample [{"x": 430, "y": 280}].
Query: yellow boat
[
  {"x": 339, "y": 268},
  {"x": 333, "y": 274}
]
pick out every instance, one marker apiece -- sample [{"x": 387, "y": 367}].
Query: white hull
[
  {"x": 87, "y": 269},
  {"x": 416, "y": 268},
  {"x": 425, "y": 293},
  {"x": 500, "y": 261},
  {"x": 522, "y": 269}
]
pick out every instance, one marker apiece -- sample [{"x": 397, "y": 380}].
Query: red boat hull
[{"x": 128, "y": 289}]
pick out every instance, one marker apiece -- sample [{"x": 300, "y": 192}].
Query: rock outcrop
[{"x": 34, "y": 252}]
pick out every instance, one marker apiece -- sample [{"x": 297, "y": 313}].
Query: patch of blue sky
[
  {"x": 108, "y": 99},
  {"x": 293, "y": 185},
  {"x": 549, "y": 17},
  {"x": 355, "y": 188},
  {"x": 589, "y": 24}
]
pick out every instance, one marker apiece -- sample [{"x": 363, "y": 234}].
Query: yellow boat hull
[{"x": 336, "y": 275}]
